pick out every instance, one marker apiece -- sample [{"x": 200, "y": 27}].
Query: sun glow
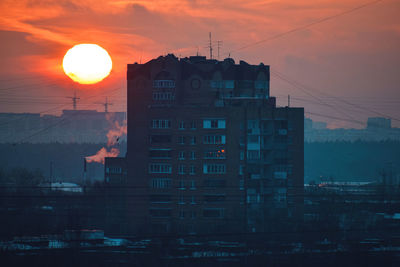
[{"x": 87, "y": 63}]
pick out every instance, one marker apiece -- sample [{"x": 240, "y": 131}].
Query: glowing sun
[{"x": 87, "y": 63}]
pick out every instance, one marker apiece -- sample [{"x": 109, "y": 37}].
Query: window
[
  {"x": 161, "y": 124},
  {"x": 163, "y": 84},
  {"x": 192, "y": 155},
  {"x": 160, "y": 213},
  {"x": 192, "y": 170},
  {"x": 160, "y": 168},
  {"x": 214, "y": 124},
  {"x": 162, "y": 198},
  {"x": 114, "y": 170},
  {"x": 181, "y": 169},
  {"x": 261, "y": 85},
  {"x": 181, "y": 140},
  {"x": 213, "y": 213},
  {"x": 181, "y": 155},
  {"x": 214, "y": 168},
  {"x": 215, "y": 154},
  {"x": 241, "y": 184},
  {"x": 163, "y": 96},
  {"x": 181, "y": 214},
  {"x": 252, "y": 124},
  {"x": 181, "y": 199},
  {"x": 253, "y": 154},
  {"x": 241, "y": 155},
  {"x": 214, "y": 139},
  {"x": 193, "y": 140},
  {"x": 181, "y": 184},
  {"x": 161, "y": 183},
  {"x": 241, "y": 169},
  {"x": 160, "y": 153},
  {"x": 181, "y": 125},
  {"x": 156, "y": 139},
  {"x": 192, "y": 184},
  {"x": 214, "y": 183},
  {"x": 211, "y": 198},
  {"x": 253, "y": 139},
  {"x": 193, "y": 125}
]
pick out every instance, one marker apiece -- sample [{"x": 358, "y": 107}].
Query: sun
[{"x": 87, "y": 63}]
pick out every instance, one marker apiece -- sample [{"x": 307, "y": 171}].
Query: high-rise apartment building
[{"x": 208, "y": 150}]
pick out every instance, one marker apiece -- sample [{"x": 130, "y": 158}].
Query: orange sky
[{"x": 351, "y": 59}]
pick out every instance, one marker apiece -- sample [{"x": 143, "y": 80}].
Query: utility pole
[{"x": 74, "y": 100}]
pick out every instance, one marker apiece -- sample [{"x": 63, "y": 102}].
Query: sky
[{"x": 340, "y": 60}]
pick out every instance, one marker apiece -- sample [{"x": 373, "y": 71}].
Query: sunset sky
[{"x": 346, "y": 67}]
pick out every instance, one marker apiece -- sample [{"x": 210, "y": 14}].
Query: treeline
[
  {"x": 62, "y": 162},
  {"x": 350, "y": 161},
  {"x": 337, "y": 161}
]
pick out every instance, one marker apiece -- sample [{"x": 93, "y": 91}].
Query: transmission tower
[
  {"x": 105, "y": 104},
  {"x": 74, "y": 100}
]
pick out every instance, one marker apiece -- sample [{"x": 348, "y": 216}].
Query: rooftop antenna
[
  {"x": 197, "y": 53},
  {"x": 74, "y": 98},
  {"x": 210, "y": 45},
  {"x": 219, "y": 45},
  {"x": 288, "y": 101},
  {"x": 105, "y": 104}
]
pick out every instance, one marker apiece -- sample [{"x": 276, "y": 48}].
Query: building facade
[{"x": 208, "y": 150}]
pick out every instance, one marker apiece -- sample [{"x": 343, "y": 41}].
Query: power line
[{"x": 308, "y": 25}]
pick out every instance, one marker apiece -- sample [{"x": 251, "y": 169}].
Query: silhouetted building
[
  {"x": 379, "y": 123},
  {"x": 73, "y": 126},
  {"x": 208, "y": 150}
]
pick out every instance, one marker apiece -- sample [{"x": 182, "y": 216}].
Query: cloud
[{"x": 326, "y": 55}]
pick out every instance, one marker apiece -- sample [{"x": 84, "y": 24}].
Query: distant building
[
  {"x": 379, "y": 123},
  {"x": 319, "y": 125},
  {"x": 208, "y": 150},
  {"x": 73, "y": 126}
]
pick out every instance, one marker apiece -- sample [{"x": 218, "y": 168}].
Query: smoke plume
[
  {"x": 102, "y": 153},
  {"x": 113, "y": 136}
]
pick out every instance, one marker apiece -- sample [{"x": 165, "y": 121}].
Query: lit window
[
  {"x": 192, "y": 155},
  {"x": 181, "y": 125},
  {"x": 215, "y": 154},
  {"x": 181, "y": 155}
]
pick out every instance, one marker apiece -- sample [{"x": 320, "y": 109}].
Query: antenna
[
  {"x": 219, "y": 45},
  {"x": 105, "y": 104},
  {"x": 288, "y": 101},
  {"x": 210, "y": 46},
  {"x": 74, "y": 98}
]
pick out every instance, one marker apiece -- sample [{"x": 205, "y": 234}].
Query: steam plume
[{"x": 113, "y": 137}]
